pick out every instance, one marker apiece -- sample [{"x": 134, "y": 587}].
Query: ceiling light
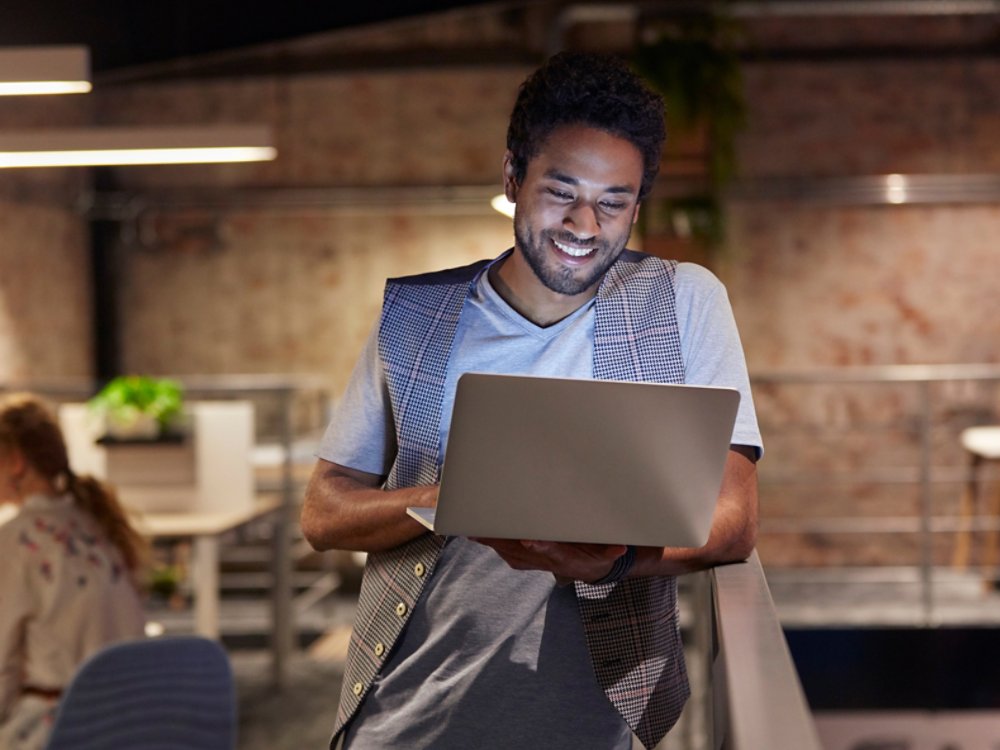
[
  {"x": 28, "y": 71},
  {"x": 501, "y": 204},
  {"x": 117, "y": 146},
  {"x": 895, "y": 188}
]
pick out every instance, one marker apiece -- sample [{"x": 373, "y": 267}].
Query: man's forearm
[
  {"x": 734, "y": 527},
  {"x": 345, "y": 509}
]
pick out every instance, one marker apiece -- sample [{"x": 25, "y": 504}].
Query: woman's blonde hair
[{"x": 29, "y": 426}]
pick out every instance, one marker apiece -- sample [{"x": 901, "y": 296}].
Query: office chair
[{"x": 173, "y": 693}]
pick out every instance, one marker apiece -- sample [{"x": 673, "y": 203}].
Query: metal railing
[
  {"x": 746, "y": 691},
  {"x": 931, "y": 429}
]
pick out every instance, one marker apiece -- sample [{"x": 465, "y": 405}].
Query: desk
[{"x": 205, "y": 531}]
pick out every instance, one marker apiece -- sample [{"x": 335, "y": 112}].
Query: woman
[{"x": 67, "y": 571}]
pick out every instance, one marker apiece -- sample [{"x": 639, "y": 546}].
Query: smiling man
[{"x": 461, "y": 643}]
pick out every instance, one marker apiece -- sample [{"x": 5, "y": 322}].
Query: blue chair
[{"x": 174, "y": 693}]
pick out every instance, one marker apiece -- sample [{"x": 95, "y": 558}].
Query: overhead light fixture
[
  {"x": 501, "y": 204},
  {"x": 895, "y": 188},
  {"x": 121, "y": 146},
  {"x": 27, "y": 71}
]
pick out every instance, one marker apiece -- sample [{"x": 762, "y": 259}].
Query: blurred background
[{"x": 835, "y": 162}]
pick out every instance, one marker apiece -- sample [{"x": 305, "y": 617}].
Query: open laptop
[{"x": 571, "y": 460}]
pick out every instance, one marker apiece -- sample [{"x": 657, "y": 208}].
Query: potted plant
[{"x": 138, "y": 407}]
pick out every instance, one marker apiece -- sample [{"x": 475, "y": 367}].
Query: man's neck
[{"x": 515, "y": 281}]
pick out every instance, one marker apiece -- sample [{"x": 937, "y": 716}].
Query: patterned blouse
[{"x": 64, "y": 594}]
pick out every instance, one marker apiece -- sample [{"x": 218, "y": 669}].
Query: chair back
[{"x": 172, "y": 693}]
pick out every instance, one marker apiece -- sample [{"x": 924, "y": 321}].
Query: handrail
[
  {"x": 922, "y": 379},
  {"x": 757, "y": 697},
  {"x": 882, "y": 373}
]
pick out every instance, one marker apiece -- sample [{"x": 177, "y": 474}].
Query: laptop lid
[{"x": 575, "y": 460}]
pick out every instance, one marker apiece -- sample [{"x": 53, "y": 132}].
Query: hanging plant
[{"x": 693, "y": 62}]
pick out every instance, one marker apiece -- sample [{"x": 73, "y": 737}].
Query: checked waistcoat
[{"x": 631, "y": 627}]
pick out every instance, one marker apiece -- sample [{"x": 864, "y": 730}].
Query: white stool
[{"x": 983, "y": 446}]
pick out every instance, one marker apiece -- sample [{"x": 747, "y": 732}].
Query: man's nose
[{"x": 582, "y": 221}]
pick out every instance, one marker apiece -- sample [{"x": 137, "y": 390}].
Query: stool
[{"x": 983, "y": 446}]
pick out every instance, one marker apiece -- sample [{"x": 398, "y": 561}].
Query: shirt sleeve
[
  {"x": 14, "y": 604},
  {"x": 361, "y": 435},
  {"x": 711, "y": 347}
]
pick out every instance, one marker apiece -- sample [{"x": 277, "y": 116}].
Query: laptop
[{"x": 574, "y": 460}]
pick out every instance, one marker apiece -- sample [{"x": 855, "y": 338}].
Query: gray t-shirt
[{"x": 491, "y": 657}]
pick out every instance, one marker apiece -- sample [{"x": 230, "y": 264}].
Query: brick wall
[
  {"x": 818, "y": 286},
  {"x": 296, "y": 288},
  {"x": 45, "y": 313}
]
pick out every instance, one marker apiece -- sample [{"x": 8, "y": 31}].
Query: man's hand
[{"x": 567, "y": 562}]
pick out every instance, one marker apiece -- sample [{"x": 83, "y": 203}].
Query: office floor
[{"x": 301, "y": 715}]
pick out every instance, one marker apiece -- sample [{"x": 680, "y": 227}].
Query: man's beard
[{"x": 562, "y": 279}]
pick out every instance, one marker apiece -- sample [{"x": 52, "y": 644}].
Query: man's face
[{"x": 576, "y": 206}]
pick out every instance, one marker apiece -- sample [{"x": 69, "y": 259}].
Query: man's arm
[
  {"x": 734, "y": 525},
  {"x": 347, "y": 509},
  {"x": 732, "y": 538}
]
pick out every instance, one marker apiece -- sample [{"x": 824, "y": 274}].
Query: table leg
[
  {"x": 966, "y": 515},
  {"x": 206, "y": 585},
  {"x": 991, "y": 552},
  {"x": 281, "y": 598}
]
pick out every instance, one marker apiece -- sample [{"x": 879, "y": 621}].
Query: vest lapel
[
  {"x": 631, "y": 628},
  {"x": 419, "y": 319}
]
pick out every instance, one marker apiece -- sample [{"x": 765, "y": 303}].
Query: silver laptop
[{"x": 570, "y": 460}]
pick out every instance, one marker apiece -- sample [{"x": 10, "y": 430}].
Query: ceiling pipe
[
  {"x": 809, "y": 8},
  {"x": 580, "y": 13}
]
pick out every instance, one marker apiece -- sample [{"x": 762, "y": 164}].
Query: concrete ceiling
[{"x": 128, "y": 33}]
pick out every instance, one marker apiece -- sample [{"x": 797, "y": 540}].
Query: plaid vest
[{"x": 632, "y": 629}]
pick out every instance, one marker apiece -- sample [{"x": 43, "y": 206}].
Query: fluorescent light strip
[
  {"x": 41, "y": 88},
  {"x": 33, "y": 71},
  {"x": 123, "y": 146},
  {"x": 123, "y": 157}
]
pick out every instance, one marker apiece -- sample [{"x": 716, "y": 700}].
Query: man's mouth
[{"x": 574, "y": 251}]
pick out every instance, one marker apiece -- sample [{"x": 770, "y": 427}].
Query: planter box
[{"x": 208, "y": 470}]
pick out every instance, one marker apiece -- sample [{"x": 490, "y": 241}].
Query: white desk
[{"x": 205, "y": 531}]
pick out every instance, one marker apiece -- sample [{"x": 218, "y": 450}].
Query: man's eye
[
  {"x": 561, "y": 195},
  {"x": 612, "y": 206}
]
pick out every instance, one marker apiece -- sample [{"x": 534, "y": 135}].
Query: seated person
[{"x": 67, "y": 581}]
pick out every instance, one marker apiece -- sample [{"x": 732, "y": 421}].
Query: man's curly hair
[{"x": 579, "y": 88}]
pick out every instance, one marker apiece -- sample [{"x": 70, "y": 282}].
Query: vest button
[
  {"x": 419, "y": 570},
  {"x": 379, "y": 649},
  {"x": 358, "y": 687},
  {"x": 401, "y": 609}
]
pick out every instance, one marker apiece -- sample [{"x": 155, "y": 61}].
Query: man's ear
[
  {"x": 635, "y": 215},
  {"x": 509, "y": 181}
]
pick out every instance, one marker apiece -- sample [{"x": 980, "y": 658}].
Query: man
[{"x": 460, "y": 643}]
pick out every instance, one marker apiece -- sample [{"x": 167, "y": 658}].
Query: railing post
[
  {"x": 926, "y": 502},
  {"x": 699, "y": 727}
]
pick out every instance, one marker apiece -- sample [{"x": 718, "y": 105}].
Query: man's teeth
[{"x": 576, "y": 252}]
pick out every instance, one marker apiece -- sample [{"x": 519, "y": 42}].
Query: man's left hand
[{"x": 567, "y": 562}]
